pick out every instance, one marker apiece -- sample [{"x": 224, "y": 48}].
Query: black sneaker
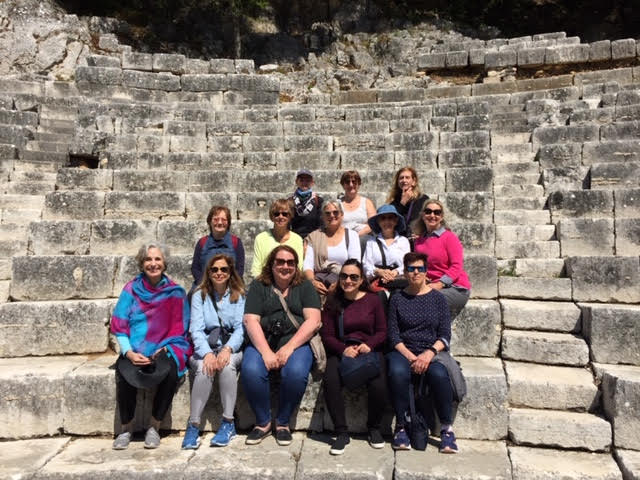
[
  {"x": 341, "y": 441},
  {"x": 257, "y": 435},
  {"x": 375, "y": 438},
  {"x": 283, "y": 437}
]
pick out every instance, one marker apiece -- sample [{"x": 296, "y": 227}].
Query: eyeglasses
[
  {"x": 354, "y": 277},
  {"x": 217, "y": 269},
  {"x": 219, "y": 220},
  {"x": 420, "y": 269},
  {"x": 281, "y": 214},
  {"x": 332, "y": 213},
  {"x": 281, "y": 262},
  {"x": 428, "y": 211}
]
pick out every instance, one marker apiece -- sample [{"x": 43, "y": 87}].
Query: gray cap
[{"x": 304, "y": 171}]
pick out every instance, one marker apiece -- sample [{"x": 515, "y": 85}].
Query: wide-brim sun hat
[
  {"x": 385, "y": 210},
  {"x": 145, "y": 376}
]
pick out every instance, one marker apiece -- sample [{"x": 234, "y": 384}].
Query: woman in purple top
[
  {"x": 445, "y": 256},
  {"x": 364, "y": 331}
]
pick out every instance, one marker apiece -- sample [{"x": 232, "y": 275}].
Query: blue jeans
[
  {"x": 293, "y": 382},
  {"x": 437, "y": 379}
]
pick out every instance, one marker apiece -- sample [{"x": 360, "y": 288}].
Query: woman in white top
[
  {"x": 328, "y": 248},
  {"x": 384, "y": 254},
  {"x": 357, "y": 209}
]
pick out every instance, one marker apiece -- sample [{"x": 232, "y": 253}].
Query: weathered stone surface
[
  {"x": 483, "y": 275},
  {"x": 559, "y": 429},
  {"x": 544, "y": 347},
  {"x": 99, "y": 75},
  {"x": 150, "y": 80},
  {"x": 198, "y": 204},
  {"x": 432, "y": 61},
  {"x": 499, "y": 59},
  {"x": 565, "y": 178},
  {"x": 84, "y": 179},
  {"x": 620, "y": 398},
  {"x": 59, "y": 237},
  {"x": 627, "y": 236},
  {"x": 168, "y": 62},
  {"x": 477, "y": 329},
  {"x": 475, "y": 207},
  {"x": 67, "y": 205},
  {"x": 615, "y": 175},
  {"x": 483, "y": 413},
  {"x": 545, "y": 464},
  {"x": 144, "y": 204},
  {"x": 623, "y": 48},
  {"x": 120, "y": 237},
  {"x": 480, "y": 460},
  {"x": 473, "y": 139},
  {"x": 627, "y": 203},
  {"x": 564, "y": 134},
  {"x": 411, "y": 141},
  {"x": 620, "y": 131},
  {"x": 566, "y": 54},
  {"x": 62, "y": 277},
  {"x": 137, "y": 61},
  {"x": 612, "y": 331},
  {"x": 478, "y": 179},
  {"x": 551, "y": 316},
  {"x": 560, "y": 155},
  {"x": 535, "y": 288},
  {"x": 605, "y": 279},
  {"x": 477, "y": 238},
  {"x": 464, "y": 158},
  {"x": 25, "y": 457},
  {"x": 629, "y": 463},
  {"x": 31, "y": 395},
  {"x": 581, "y": 203},
  {"x": 547, "y": 387},
  {"x": 204, "y": 83},
  {"x": 539, "y": 268},
  {"x": 599, "y": 51},
  {"x": 586, "y": 236}
]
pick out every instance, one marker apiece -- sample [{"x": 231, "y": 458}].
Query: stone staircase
[{"x": 540, "y": 180}]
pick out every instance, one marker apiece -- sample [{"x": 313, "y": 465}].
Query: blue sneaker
[
  {"x": 401, "y": 440},
  {"x": 224, "y": 435},
  {"x": 448, "y": 442},
  {"x": 191, "y": 438}
]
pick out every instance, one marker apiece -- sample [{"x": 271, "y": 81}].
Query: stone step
[
  {"x": 46, "y": 156},
  {"x": 525, "y": 233},
  {"x": 36, "y": 166},
  {"x": 548, "y": 348},
  {"x": 22, "y": 202},
  {"x": 80, "y": 400},
  {"x": 499, "y": 109},
  {"x": 58, "y": 112},
  {"x": 26, "y": 216},
  {"x": 512, "y": 153},
  {"x": 557, "y": 429},
  {"x": 13, "y": 117},
  {"x": 517, "y": 203},
  {"x": 521, "y": 168},
  {"x": 539, "y": 267},
  {"x": 518, "y": 190},
  {"x": 53, "y": 137},
  {"x": 32, "y": 176},
  {"x": 530, "y": 249},
  {"x": 535, "y": 315},
  {"x": 545, "y": 463},
  {"x": 15, "y": 246},
  {"x": 549, "y": 387},
  {"x": 521, "y": 217},
  {"x": 510, "y": 138},
  {"x": 514, "y": 179},
  {"x": 29, "y": 188},
  {"x": 48, "y": 146},
  {"x": 535, "y": 288},
  {"x": 48, "y": 125}
]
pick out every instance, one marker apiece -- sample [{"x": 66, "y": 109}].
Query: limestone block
[
  {"x": 550, "y": 316},
  {"x": 313, "y": 160},
  {"x": 567, "y": 54},
  {"x": 137, "y": 61},
  {"x": 564, "y": 134},
  {"x": 565, "y": 178},
  {"x": 247, "y": 231},
  {"x": 244, "y": 65},
  {"x": 475, "y": 206},
  {"x": 477, "y": 57},
  {"x": 465, "y": 157},
  {"x": 605, "y": 279},
  {"x": 432, "y": 61},
  {"x": 148, "y": 205},
  {"x": 360, "y": 143},
  {"x": 625, "y": 113},
  {"x": 306, "y": 143},
  {"x": 523, "y": 233},
  {"x": 629, "y": 463},
  {"x": 187, "y": 144},
  {"x": 253, "y": 83},
  {"x": 600, "y": 51},
  {"x": 621, "y": 398},
  {"x": 581, "y": 203},
  {"x": 544, "y": 347},
  {"x": 151, "y": 80},
  {"x": 15, "y": 135},
  {"x": 183, "y": 128},
  {"x": 84, "y": 179},
  {"x": 613, "y": 332},
  {"x": 477, "y": 329},
  {"x": 32, "y": 395},
  {"x": 167, "y": 62},
  {"x": 225, "y": 143},
  {"x": 222, "y": 65},
  {"x": 530, "y": 57},
  {"x": 548, "y": 464},
  {"x": 59, "y": 237},
  {"x": 475, "y": 139},
  {"x": 442, "y": 124},
  {"x": 71, "y": 327},
  {"x": 421, "y": 160},
  {"x": 457, "y": 59},
  {"x": 615, "y": 175},
  {"x": 627, "y": 236},
  {"x": 623, "y": 76},
  {"x": 25, "y": 457},
  {"x": 535, "y": 288},
  {"x": 477, "y": 238},
  {"x": 99, "y": 75},
  {"x": 550, "y": 387},
  {"x": 120, "y": 237},
  {"x": 366, "y": 160},
  {"x": 560, "y": 155},
  {"x": 483, "y": 413},
  {"x": 500, "y": 59},
  {"x": 478, "y": 179},
  {"x": 586, "y": 236},
  {"x": 263, "y": 144},
  {"x": 472, "y": 122},
  {"x": 64, "y": 205},
  {"x": 296, "y": 114},
  {"x": 445, "y": 110},
  {"x": 199, "y": 203},
  {"x": 621, "y": 131},
  {"x": 213, "y": 181},
  {"x": 103, "y": 61},
  {"x": 204, "y": 83},
  {"x": 448, "y": 92},
  {"x": 623, "y": 48},
  {"x": 483, "y": 275},
  {"x": 627, "y": 203},
  {"x": 411, "y": 141},
  {"x": 260, "y": 129},
  {"x": 150, "y": 180}
]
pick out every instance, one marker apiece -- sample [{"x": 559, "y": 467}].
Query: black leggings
[
  {"x": 126, "y": 396},
  {"x": 376, "y": 389}
]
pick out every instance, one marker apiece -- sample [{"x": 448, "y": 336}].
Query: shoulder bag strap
[
  {"x": 384, "y": 257},
  {"x": 286, "y": 308},
  {"x": 341, "y": 325}
]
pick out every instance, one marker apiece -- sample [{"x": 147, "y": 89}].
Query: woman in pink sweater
[{"x": 445, "y": 256}]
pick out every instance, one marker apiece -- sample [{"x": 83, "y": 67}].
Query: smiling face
[
  {"x": 219, "y": 273},
  {"x": 350, "y": 279},
  {"x": 153, "y": 265},
  {"x": 284, "y": 267},
  {"x": 304, "y": 182},
  {"x": 219, "y": 224},
  {"x": 432, "y": 216},
  {"x": 416, "y": 273},
  {"x": 387, "y": 223},
  {"x": 406, "y": 180},
  {"x": 332, "y": 216},
  {"x": 351, "y": 186},
  {"x": 281, "y": 217}
]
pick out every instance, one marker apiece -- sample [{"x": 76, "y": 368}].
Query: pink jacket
[{"x": 445, "y": 258}]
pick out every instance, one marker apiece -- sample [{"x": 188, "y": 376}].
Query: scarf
[
  {"x": 148, "y": 318},
  {"x": 303, "y": 202}
]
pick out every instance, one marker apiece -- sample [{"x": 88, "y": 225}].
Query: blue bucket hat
[{"x": 384, "y": 210}]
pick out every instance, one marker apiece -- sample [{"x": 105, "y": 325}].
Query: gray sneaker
[
  {"x": 122, "y": 441},
  {"x": 152, "y": 438}
]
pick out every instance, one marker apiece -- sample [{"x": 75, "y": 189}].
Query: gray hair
[
  {"x": 144, "y": 249},
  {"x": 333, "y": 203}
]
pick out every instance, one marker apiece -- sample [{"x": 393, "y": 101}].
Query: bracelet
[{"x": 433, "y": 349}]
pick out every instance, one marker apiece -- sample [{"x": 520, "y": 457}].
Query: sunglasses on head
[
  {"x": 354, "y": 277},
  {"x": 281, "y": 214},
  {"x": 280, "y": 262},
  {"x": 217, "y": 269},
  {"x": 428, "y": 211},
  {"x": 332, "y": 213},
  {"x": 413, "y": 268}
]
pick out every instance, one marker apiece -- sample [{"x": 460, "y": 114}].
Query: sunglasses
[
  {"x": 420, "y": 269},
  {"x": 387, "y": 216},
  {"x": 428, "y": 211},
  {"x": 354, "y": 277},
  {"x": 281, "y": 262},
  {"x": 219, "y": 269},
  {"x": 332, "y": 213},
  {"x": 281, "y": 214}
]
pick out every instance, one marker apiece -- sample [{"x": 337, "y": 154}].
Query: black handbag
[
  {"x": 416, "y": 423},
  {"x": 356, "y": 372}
]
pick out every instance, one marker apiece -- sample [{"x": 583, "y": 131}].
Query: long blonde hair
[
  {"x": 395, "y": 192},
  {"x": 235, "y": 283},
  {"x": 418, "y": 227}
]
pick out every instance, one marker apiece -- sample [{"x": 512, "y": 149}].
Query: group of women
[{"x": 306, "y": 281}]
